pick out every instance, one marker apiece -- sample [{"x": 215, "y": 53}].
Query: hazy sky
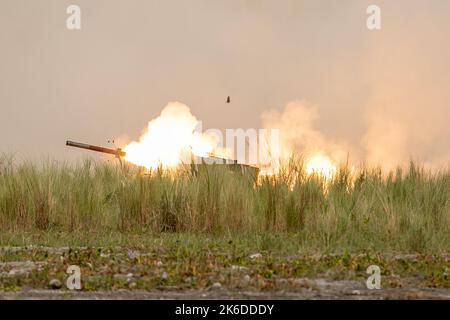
[{"x": 383, "y": 92}]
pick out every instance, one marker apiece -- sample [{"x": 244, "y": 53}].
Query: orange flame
[
  {"x": 321, "y": 165},
  {"x": 169, "y": 140}
]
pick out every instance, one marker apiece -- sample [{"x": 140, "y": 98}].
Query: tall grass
[{"x": 405, "y": 209}]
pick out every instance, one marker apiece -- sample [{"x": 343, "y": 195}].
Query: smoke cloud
[
  {"x": 308, "y": 67},
  {"x": 298, "y": 134}
]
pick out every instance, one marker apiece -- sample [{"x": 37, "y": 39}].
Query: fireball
[
  {"x": 169, "y": 140},
  {"x": 321, "y": 165}
]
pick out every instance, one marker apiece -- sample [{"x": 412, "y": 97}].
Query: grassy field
[
  {"x": 403, "y": 211},
  {"x": 197, "y": 227}
]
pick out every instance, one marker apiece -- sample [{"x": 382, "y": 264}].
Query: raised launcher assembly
[
  {"x": 116, "y": 152},
  {"x": 196, "y": 161}
]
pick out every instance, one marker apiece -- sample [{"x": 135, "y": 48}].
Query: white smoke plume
[{"x": 298, "y": 135}]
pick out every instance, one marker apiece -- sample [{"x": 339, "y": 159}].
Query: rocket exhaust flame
[
  {"x": 322, "y": 166},
  {"x": 170, "y": 140}
]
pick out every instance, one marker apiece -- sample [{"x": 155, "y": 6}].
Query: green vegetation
[
  {"x": 181, "y": 262},
  {"x": 407, "y": 211}
]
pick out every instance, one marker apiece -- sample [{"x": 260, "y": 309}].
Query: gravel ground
[
  {"x": 323, "y": 289},
  {"x": 38, "y": 265}
]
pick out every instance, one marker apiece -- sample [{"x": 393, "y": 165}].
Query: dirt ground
[
  {"x": 116, "y": 274},
  {"x": 324, "y": 290},
  {"x": 317, "y": 289}
]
